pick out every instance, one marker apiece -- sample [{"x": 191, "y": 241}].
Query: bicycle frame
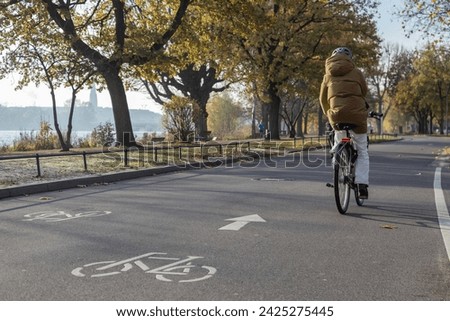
[{"x": 344, "y": 163}]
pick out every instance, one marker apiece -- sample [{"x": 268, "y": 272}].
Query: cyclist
[{"x": 342, "y": 98}]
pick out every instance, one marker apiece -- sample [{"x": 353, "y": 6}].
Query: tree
[
  {"x": 111, "y": 35},
  {"x": 76, "y": 82},
  {"x": 53, "y": 64},
  {"x": 281, "y": 41},
  {"x": 226, "y": 116},
  {"x": 382, "y": 77},
  {"x": 196, "y": 83},
  {"x": 409, "y": 102},
  {"x": 429, "y": 16},
  {"x": 179, "y": 117},
  {"x": 416, "y": 95},
  {"x": 201, "y": 59},
  {"x": 293, "y": 106},
  {"x": 433, "y": 65}
]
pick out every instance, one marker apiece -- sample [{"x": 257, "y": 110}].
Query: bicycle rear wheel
[{"x": 341, "y": 175}]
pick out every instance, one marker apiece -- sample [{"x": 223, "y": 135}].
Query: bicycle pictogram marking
[
  {"x": 58, "y": 216},
  {"x": 179, "y": 270}
]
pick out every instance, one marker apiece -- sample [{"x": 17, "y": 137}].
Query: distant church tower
[{"x": 93, "y": 103}]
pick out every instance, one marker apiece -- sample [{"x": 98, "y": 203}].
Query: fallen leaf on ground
[{"x": 389, "y": 226}]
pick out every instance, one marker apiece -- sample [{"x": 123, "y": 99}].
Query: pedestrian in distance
[{"x": 261, "y": 129}]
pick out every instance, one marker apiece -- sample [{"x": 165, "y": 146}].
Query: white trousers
[{"x": 362, "y": 162}]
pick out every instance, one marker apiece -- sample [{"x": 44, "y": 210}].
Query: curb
[{"x": 34, "y": 188}]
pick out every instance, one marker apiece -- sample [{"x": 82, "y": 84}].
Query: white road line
[
  {"x": 442, "y": 210},
  {"x": 240, "y": 222},
  {"x": 235, "y": 226}
]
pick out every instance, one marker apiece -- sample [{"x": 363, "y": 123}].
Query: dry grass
[{"x": 25, "y": 171}]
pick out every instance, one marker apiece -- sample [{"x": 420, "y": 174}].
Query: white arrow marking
[{"x": 240, "y": 222}]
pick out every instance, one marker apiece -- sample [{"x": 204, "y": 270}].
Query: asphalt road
[{"x": 169, "y": 237}]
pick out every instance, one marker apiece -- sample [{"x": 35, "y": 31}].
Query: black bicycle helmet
[{"x": 342, "y": 50}]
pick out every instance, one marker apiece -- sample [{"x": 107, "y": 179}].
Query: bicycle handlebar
[{"x": 376, "y": 115}]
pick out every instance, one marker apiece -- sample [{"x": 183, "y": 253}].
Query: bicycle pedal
[{"x": 330, "y": 185}]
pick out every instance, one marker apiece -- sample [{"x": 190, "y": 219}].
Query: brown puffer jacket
[{"x": 342, "y": 93}]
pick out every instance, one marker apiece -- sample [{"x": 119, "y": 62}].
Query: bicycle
[{"x": 344, "y": 167}]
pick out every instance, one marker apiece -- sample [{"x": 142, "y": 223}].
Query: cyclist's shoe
[
  {"x": 363, "y": 193},
  {"x": 333, "y": 149}
]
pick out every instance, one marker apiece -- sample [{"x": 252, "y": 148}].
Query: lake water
[{"x": 7, "y": 137}]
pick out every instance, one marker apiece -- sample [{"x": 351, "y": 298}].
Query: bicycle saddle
[{"x": 345, "y": 126}]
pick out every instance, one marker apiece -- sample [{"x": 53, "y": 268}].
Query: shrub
[
  {"x": 102, "y": 135},
  {"x": 44, "y": 139},
  {"x": 179, "y": 116}
]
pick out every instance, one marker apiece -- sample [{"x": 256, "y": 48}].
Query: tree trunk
[
  {"x": 305, "y": 130},
  {"x": 254, "y": 105},
  {"x": 202, "y": 120},
  {"x": 64, "y": 146},
  {"x": 274, "y": 112},
  {"x": 265, "y": 107},
  {"x": 321, "y": 122},
  {"x": 292, "y": 131},
  {"x": 380, "y": 110},
  {"x": 430, "y": 122},
  {"x": 274, "y": 125},
  {"x": 70, "y": 120},
  {"x": 122, "y": 119},
  {"x": 299, "y": 126}
]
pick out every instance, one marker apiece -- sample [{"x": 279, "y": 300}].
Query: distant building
[
  {"x": 84, "y": 119},
  {"x": 93, "y": 102}
]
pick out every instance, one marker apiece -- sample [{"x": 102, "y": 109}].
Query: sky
[
  {"x": 40, "y": 97},
  {"x": 388, "y": 24}
]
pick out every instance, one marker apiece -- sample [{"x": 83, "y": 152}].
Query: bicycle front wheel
[{"x": 341, "y": 176}]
